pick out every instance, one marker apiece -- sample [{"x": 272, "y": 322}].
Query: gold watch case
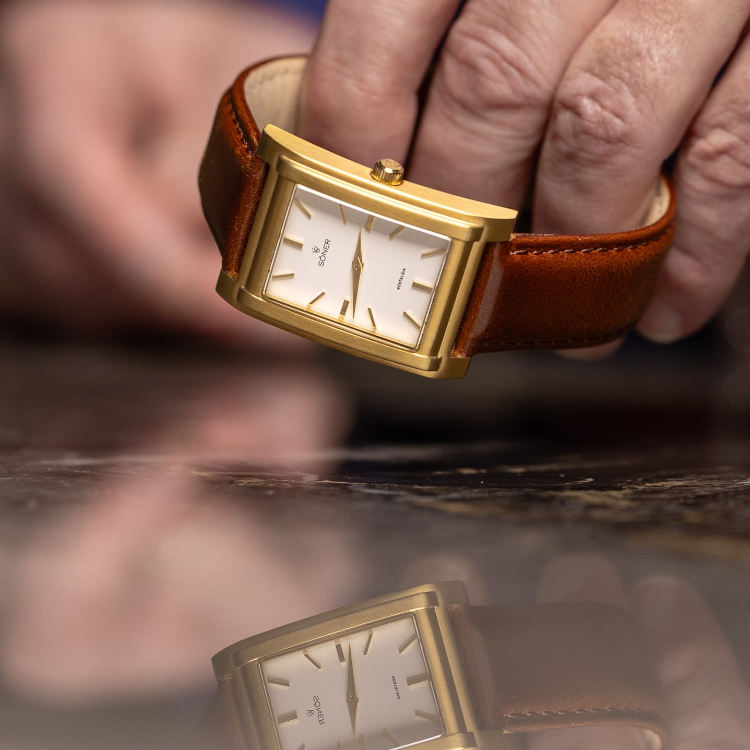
[
  {"x": 427, "y": 604},
  {"x": 469, "y": 224}
]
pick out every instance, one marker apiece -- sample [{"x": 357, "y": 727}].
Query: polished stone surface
[{"x": 160, "y": 502}]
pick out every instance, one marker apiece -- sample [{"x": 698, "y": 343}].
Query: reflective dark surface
[{"x": 160, "y": 502}]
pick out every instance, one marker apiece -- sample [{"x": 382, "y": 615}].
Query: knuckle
[
  {"x": 486, "y": 70},
  {"x": 716, "y": 155},
  {"x": 596, "y": 118}
]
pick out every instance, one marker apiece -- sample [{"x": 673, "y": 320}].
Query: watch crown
[{"x": 388, "y": 171}]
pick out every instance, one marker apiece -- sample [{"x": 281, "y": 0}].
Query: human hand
[
  {"x": 106, "y": 110},
  {"x": 587, "y": 99},
  {"x": 707, "y": 700}
]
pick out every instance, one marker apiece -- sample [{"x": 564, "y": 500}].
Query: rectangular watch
[
  {"x": 424, "y": 668},
  {"x": 361, "y": 260}
]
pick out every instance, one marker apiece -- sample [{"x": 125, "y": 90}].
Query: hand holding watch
[
  {"x": 425, "y": 668},
  {"x": 446, "y": 277}
]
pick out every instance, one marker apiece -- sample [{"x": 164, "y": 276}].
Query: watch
[
  {"x": 423, "y": 668},
  {"x": 365, "y": 262}
]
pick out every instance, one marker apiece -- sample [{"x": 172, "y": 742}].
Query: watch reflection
[{"x": 176, "y": 511}]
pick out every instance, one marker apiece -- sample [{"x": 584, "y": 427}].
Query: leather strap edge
[
  {"x": 232, "y": 175},
  {"x": 564, "y": 291}
]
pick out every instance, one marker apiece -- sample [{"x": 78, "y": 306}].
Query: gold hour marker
[
  {"x": 344, "y": 308},
  {"x": 278, "y": 276},
  {"x": 312, "y": 661},
  {"x": 372, "y": 319},
  {"x": 422, "y": 287},
  {"x": 415, "y": 324},
  {"x": 287, "y": 718},
  {"x": 293, "y": 242},
  {"x": 343, "y": 214},
  {"x": 409, "y": 642},
  {"x": 425, "y": 715},
  {"x": 340, "y": 652},
  {"x": 367, "y": 645},
  {"x": 277, "y": 681},
  {"x": 393, "y": 235},
  {"x": 362, "y": 742},
  {"x": 312, "y": 302},
  {"x": 433, "y": 253},
  {"x": 302, "y": 207},
  {"x": 416, "y": 679},
  {"x": 391, "y": 738},
  {"x": 369, "y": 223}
]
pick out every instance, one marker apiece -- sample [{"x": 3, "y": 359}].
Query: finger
[
  {"x": 157, "y": 269},
  {"x": 713, "y": 187},
  {"x": 709, "y": 702},
  {"x": 362, "y": 80},
  {"x": 489, "y": 100},
  {"x": 586, "y": 578},
  {"x": 623, "y": 106}
]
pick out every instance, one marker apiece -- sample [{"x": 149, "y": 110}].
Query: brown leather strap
[
  {"x": 232, "y": 175},
  {"x": 558, "y": 292},
  {"x": 533, "y": 292},
  {"x": 549, "y": 666},
  {"x": 220, "y": 727}
]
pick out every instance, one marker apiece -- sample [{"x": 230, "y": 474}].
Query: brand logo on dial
[
  {"x": 316, "y": 711},
  {"x": 401, "y": 278},
  {"x": 395, "y": 687},
  {"x": 323, "y": 253}
]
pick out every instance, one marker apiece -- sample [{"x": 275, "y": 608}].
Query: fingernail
[{"x": 661, "y": 323}]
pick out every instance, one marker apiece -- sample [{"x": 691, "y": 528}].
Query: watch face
[
  {"x": 370, "y": 690},
  {"x": 367, "y": 271}
]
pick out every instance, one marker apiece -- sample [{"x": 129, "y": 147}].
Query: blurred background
[{"x": 176, "y": 477}]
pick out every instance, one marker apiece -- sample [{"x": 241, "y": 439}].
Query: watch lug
[{"x": 225, "y": 286}]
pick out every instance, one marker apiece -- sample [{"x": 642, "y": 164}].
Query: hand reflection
[
  {"x": 127, "y": 592},
  {"x": 707, "y": 700}
]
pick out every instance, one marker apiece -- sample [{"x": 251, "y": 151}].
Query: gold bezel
[
  {"x": 427, "y": 604},
  {"x": 469, "y": 225}
]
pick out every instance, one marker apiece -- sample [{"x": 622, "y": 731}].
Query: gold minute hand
[
  {"x": 357, "y": 266},
  {"x": 352, "y": 699}
]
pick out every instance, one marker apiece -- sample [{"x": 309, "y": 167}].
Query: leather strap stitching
[
  {"x": 241, "y": 132},
  {"x": 573, "y": 250},
  {"x": 582, "y": 711},
  {"x": 606, "y": 337}
]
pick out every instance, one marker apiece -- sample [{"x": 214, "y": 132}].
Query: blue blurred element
[{"x": 312, "y": 8}]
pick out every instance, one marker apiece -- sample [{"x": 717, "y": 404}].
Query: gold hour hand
[
  {"x": 352, "y": 699},
  {"x": 357, "y": 266}
]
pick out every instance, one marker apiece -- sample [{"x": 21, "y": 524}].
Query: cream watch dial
[
  {"x": 367, "y": 271},
  {"x": 367, "y": 691}
]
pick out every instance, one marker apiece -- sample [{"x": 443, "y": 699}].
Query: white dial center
[
  {"x": 369, "y": 272},
  {"x": 369, "y": 690}
]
